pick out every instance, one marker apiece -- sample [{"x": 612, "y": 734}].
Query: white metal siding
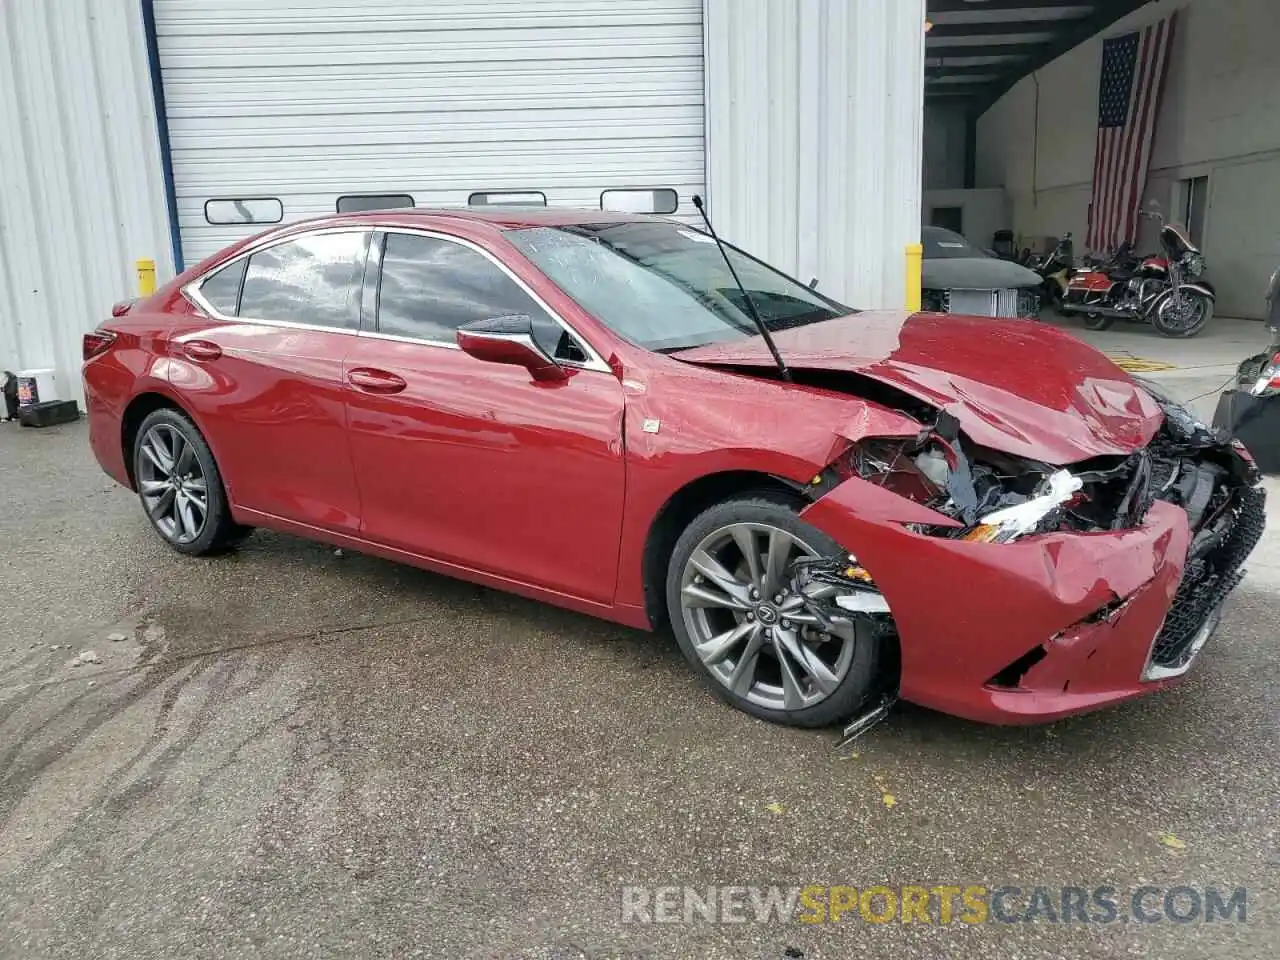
[
  {"x": 311, "y": 101},
  {"x": 815, "y": 114},
  {"x": 81, "y": 195}
]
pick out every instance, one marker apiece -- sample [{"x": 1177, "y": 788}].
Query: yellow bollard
[
  {"x": 146, "y": 277},
  {"x": 915, "y": 254}
]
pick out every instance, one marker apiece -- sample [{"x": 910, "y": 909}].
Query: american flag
[{"x": 1133, "y": 71}]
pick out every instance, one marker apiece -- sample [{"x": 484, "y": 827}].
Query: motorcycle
[
  {"x": 1055, "y": 271},
  {"x": 1250, "y": 409},
  {"x": 1165, "y": 291}
]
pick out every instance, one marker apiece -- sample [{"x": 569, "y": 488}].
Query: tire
[
  {"x": 173, "y": 506},
  {"x": 1096, "y": 321},
  {"x": 851, "y": 662},
  {"x": 1182, "y": 330}
]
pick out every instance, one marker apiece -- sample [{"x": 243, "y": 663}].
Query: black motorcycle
[
  {"x": 1165, "y": 291},
  {"x": 1055, "y": 271},
  {"x": 1250, "y": 410}
]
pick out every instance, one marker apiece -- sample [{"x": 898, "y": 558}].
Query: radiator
[{"x": 984, "y": 303}]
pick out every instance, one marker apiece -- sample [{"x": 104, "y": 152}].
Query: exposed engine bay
[{"x": 995, "y": 497}]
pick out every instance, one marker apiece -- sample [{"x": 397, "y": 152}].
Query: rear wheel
[
  {"x": 747, "y": 629},
  {"x": 180, "y": 486},
  {"x": 1096, "y": 321},
  {"x": 1182, "y": 314}
]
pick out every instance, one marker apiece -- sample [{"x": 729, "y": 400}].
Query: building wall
[
  {"x": 1220, "y": 118},
  {"x": 983, "y": 212},
  {"x": 945, "y": 130},
  {"x": 81, "y": 194},
  {"x": 814, "y": 127}
]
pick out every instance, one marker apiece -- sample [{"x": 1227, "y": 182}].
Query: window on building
[
  {"x": 222, "y": 289},
  {"x": 430, "y": 287},
  {"x": 358, "y": 203},
  {"x": 949, "y": 218},
  {"x": 508, "y": 198},
  {"x": 640, "y": 201},
  {"x": 246, "y": 210},
  {"x": 1195, "y": 204},
  {"x": 313, "y": 279}
]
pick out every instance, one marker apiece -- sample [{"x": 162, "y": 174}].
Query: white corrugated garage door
[{"x": 307, "y": 102}]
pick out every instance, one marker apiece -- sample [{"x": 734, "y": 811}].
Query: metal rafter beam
[
  {"x": 958, "y": 6},
  {"x": 993, "y": 28},
  {"x": 1024, "y": 50},
  {"x": 965, "y": 70},
  {"x": 1075, "y": 33}
]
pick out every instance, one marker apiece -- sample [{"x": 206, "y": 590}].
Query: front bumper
[{"x": 1045, "y": 627}]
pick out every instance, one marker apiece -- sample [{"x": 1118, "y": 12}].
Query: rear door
[
  {"x": 263, "y": 374},
  {"x": 476, "y": 463}
]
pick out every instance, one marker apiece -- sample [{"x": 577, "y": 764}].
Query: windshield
[
  {"x": 940, "y": 244},
  {"x": 664, "y": 286}
]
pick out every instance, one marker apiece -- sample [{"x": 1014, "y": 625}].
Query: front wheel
[
  {"x": 180, "y": 486},
  {"x": 748, "y": 629},
  {"x": 1182, "y": 314}
]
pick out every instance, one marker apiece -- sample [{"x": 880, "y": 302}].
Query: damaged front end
[{"x": 1085, "y": 564}]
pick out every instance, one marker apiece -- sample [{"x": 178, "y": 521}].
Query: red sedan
[{"x": 987, "y": 517}]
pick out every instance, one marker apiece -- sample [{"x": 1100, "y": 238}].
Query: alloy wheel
[
  {"x": 173, "y": 485},
  {"x": 749, "y": 626}
]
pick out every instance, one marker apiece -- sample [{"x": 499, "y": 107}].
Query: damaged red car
[{"x": 610, "y": 413}]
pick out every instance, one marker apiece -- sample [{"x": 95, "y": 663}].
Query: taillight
[
  {"x": 97, "y": 342},
  {"x": 1268, "y": 381}
]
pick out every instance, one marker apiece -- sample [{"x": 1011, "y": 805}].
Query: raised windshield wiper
[{"x": 751, "y": 304}]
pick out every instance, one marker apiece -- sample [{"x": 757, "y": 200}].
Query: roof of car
[{"x": 501, "y": 217}]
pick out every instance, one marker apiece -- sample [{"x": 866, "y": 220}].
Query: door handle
[
  {"x": 375, "y": 381},
  {"x": 201, "y": 351}
]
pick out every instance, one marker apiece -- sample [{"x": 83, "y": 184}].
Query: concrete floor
[{"x": 302, "y": 754}]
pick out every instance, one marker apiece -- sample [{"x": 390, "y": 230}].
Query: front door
[{"x": 476, "y": 463}]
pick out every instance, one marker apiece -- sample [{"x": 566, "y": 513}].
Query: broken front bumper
[{"x": 1046, "y": 626}]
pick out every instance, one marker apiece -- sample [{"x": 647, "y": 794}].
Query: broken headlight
[
  {"x": 1009, "y": 523},
  {"x": 994, "y": 497}
]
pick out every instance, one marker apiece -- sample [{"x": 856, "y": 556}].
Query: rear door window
[
  {"x": 313, "y": 279},
  {"x": 222, "y": 289}
]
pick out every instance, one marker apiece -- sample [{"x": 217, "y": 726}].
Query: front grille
[{"x": 1207, "y": 580}]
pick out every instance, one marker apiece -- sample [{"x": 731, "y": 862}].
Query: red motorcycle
[{"x": 1165, "y": 291}]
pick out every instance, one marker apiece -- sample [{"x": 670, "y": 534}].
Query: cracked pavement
[{"x": 301, "y": 754}]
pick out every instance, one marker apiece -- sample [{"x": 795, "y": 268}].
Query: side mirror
[{"x": 508, "y": 340}]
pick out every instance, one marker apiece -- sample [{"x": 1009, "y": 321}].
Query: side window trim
[
  {"x": 371, "y": 281},
  {"x": 191, "y": 290},
  {"x": 593, "y": 361}
]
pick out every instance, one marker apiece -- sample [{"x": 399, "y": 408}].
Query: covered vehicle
[
  {"x": 1250, "y": 409},
  {"x": 986, "y": 515},
  {"x": 957, "y": 277}
]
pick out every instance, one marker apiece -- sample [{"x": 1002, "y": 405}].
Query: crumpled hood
[{"x": 1018, "y": 386}]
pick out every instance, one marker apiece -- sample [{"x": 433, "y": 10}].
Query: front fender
[{"x": 1201, "y": 286}]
